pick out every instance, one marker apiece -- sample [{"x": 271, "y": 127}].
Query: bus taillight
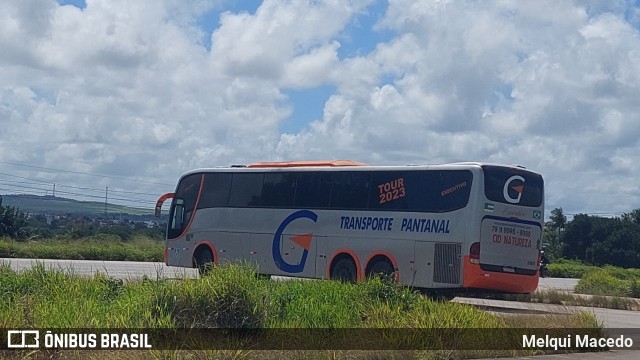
[{"x": 474, "y": 253}]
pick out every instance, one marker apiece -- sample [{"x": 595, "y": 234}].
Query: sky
[{"x": 129, "y": 95}]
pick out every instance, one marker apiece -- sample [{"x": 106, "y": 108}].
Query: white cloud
[{"x": 127, "y": 88}]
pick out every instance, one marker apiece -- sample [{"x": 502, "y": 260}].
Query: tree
[
  {"x": 583, "y": 232},
  {"x": 553, "y": 242},
  {"x": 601, "y": 241},
  {"x": 633, "y": 216},
  {"x": 13, "y": 223},
  {"x": 558, "y": 220}
]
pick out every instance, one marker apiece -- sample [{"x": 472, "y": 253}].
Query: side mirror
[{"x": 161, "y": 200}]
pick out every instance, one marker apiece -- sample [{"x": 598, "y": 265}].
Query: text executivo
[{"x": 386, "y": 224}]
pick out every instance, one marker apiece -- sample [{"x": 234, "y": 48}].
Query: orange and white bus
[{"x": 452, "y": 226}]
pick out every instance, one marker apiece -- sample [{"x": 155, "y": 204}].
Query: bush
[
  {"x": 569, "y": 269},
  {"x": 228, "y": 297},
  {"x": 610, "y": 281}
]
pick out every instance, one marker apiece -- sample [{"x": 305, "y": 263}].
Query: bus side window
[
  {"x": 246, "y": 189},
  {"x": 455, "y": 188},
  {"x": 215, "y": 192},
  {"x": 391, "y": 190},
  {"x": 350, "y": 190},
  {"x": 313, "y": 190},
  {"x": 278, "y": 189}
]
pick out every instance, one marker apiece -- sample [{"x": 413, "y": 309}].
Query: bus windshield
[
  {"x": 183, "y": 204},
  {"x": 513, "y": 186}
]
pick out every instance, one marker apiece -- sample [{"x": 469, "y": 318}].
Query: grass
[
  {"x": 603, "y": 281},
  {"x": 569, "y": 269},
  {"x": 233, "y": 297},
  {"x": 570, "y": 299},
  {"x": 611, "y": 281},
  {"x": 99, "y": 247}
]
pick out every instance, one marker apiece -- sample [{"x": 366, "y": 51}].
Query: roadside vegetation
[
  {"x": 108, "y": 247},
  {"x": 566, "y": 298},
  {"x": 563, "y": 268},
  {"x": 233, "y": 297},
  {"x": 611, "y": 281},
  {"x": 594, "y": 280}
]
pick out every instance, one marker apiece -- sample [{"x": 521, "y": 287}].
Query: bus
[{"x": 459, "y": 226}]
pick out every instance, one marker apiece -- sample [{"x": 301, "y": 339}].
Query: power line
[
  {"x": 21, "y": 184},
  {"x": 26, "y": 178},
  {"x": 36, "y": 181},
  {"x": 83, "y": 173}
]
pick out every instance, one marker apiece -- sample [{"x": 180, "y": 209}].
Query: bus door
[
  {"x": 299, "y": 254},
  {"x": 423, "y": 264}
]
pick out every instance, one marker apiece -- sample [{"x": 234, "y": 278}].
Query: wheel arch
[
  {"x": 204, "y": 245},
  {"x": 376, "y": 256},
  {"x": 345, "y": 253}
]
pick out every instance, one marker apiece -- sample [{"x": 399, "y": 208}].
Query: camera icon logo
[{"x": 23, "y": 339}]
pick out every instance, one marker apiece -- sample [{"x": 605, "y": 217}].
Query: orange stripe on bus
[{"x": 274, "y": 164}]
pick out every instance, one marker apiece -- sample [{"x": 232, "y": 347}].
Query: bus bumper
[{"x": 476, "y": 278}]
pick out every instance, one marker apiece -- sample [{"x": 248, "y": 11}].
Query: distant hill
[{"x": 57, "y": 205}]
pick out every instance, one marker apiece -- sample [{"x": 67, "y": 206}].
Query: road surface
[
  {"x": 134, "y": 270},
  {"x": 126, "y": 270}
]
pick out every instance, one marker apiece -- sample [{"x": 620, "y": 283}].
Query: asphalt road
[
  {"x": 135, "y": 270},
  {"x": 126, "y": 270}
]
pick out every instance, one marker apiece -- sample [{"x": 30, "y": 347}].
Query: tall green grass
[
  {"x": 611, "y": 281},
  {"x": 232, "y": 296},
  {"x": 569, "y": 269},
  {"x": 99, "y": 247}
]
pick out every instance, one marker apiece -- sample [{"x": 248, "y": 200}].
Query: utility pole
[
  {"x": 54, "y": 189},
  {"x": 106, "y": 196}
]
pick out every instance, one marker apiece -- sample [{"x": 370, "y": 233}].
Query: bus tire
[
  {"x": 380, "y": 267},
  {"x": 344, "y": 269},
  {"x": 203, "y": 260}
]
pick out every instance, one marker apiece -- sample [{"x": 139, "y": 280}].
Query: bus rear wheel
[
  {"x": 382, "y": 268},
  {"x": 203, "y": 260},
  {"x": 344, "y": 269}
]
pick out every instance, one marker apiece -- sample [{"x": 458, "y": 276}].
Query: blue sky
[{"x": 149, "y": 89}]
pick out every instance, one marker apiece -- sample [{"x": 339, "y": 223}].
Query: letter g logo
[
  {"x": 519, "y": 187},
  {"x": 302, "y": 240}
]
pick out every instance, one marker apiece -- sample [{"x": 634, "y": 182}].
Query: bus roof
[
  {"x": 345, "y": 165},
  {"x": 280, "y": 164}
]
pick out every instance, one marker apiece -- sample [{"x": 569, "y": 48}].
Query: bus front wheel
[
  {"x": 344, "y": 269},
  {"x": 203, "y": 260}
]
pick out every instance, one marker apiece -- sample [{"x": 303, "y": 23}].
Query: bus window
[
  {"x": 513, "y": 186},
  {"x": 455, "y": 187},
  {"x": 390, "y": 190},
  {"x": 425, "y": 190},
  {"x": 278, "y": 189},
  {"x": 246, "y": 189},
  {"x": 313, "y": 190},
  {"x": 350, "y": 190},
  {"x": 183, "y": 205},
  {"x": 215, "y": 191}
]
